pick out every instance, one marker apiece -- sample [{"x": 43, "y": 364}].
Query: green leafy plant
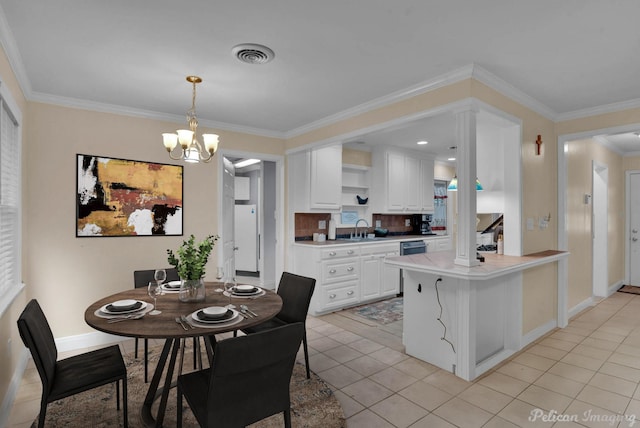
[{"x": 190, "y": 259}]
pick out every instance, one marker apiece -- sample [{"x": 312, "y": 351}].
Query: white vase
[{"x": 192, "y": 290}]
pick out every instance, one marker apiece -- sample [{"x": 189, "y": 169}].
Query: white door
[
  {"x": 600, "y": 230},
  {"x": 228, "y": 208},
  {"x": 634, "y": 229},
  {"x": 246, "y": 237}
]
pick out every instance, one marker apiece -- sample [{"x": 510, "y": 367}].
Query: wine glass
[
  {"x": 154, "y": 290},
  {"x": 229, "y": 283},
  {"x": 160, "y": 275},
  {"x": 219, "y": 276}
]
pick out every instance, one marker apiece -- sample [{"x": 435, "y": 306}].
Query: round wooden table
[{"x": 164, "y": 326}]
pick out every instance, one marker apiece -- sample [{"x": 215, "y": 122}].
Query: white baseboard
[
  {"x": 615, "y": 287},
  {"x": 14, "y": 385},
  {"x": 87, "y": 340},
  {"x": 581, "y": 306},
  {"x": 538, "y": 332}
]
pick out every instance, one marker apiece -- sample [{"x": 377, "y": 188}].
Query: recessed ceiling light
[
  {"x": 422, "y": 143},
  {"x": 246, "y": 162},
  {"x": 451, "y": 159}
]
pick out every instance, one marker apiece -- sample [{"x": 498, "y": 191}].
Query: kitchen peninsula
[{"x": 464, "y": 319}]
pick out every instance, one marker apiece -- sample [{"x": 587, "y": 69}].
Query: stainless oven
[{"x": 410, "y": 247}]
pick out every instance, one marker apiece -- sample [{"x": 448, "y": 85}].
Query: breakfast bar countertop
[{"x": 494, "y": 265}]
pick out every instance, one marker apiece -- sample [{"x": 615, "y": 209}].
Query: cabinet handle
[
  {"x": 350, "y": 293},
  {"x": 333, "y": 253},
  {"x": 350, "y": 269},
  {"x": 332, "y": 296},
  {"x": 332, "y": 271}
]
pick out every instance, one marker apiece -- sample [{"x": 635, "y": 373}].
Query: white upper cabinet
[
  {"x": 402, "y": 181},
  {"x": 315, "y": 179},
  {"x": 426, "y": 171}
]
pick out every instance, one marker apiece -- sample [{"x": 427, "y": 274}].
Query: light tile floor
[{"x": 588, "y": 372}]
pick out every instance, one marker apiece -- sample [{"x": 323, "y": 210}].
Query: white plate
[
  {"x": 124, "y": 303},
  {"x": 215, "y": 310},
  {"x": 172, "y": 285},
  {"x": 166, "y": 289},
  {"x": 107, "y": 311},
  {"x": 204, "y": 321},
  {"x": 258, "y": 290}
]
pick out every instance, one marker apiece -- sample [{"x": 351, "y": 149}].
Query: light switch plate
[
  {"x": 530, "y": 223},
  {"x": 407, "y": 222},
  {"x": 378, "y": 223},
  {"x": 322, "y": 224}
]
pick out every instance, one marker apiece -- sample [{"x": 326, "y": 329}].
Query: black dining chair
[
  {"x": 248, "y": 379},
  {"x": 66, "y": 377},
  {"x": 142, "y": 278},
  {"x": 295, "y": 292}
]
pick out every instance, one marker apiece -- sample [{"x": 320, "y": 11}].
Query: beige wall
[
  {"x": 579, "y": 157},
  {"x": 356, "y": 157}
]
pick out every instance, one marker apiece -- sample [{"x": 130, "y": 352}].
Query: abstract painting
[{"x": 120, "y": 197}]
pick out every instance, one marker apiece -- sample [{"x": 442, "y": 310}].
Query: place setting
[
  {"x": 126, "y": 309},
  {"x": 244, "y": 291},
  {"x": 215, "y": 317}
]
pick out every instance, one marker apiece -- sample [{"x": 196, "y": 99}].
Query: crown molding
[
  {"x": 508, "y": 90},
  {"x": 594, "y": 111},
  {"x": 394, "y": 97},
  {"x": 147, "y": 114}
]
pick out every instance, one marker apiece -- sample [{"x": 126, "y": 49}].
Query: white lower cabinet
[
  {"x": 376, "y": 279},
  {"x": 347, "y": 274}
]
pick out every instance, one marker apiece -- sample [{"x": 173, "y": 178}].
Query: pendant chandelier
[
  {"x": 190, "y": 149},
  {"x": 453, "y": 185}
]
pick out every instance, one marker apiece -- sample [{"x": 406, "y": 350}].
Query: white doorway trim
[
  {"x": 627, "y": 245},
  {"x": 600, "y": 229},
  {"x": 279, "y": 215}
]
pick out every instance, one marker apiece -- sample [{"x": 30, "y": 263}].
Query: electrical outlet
[
  {"x": 407, "y": 222},
  {"x": 322, "y": 224},
  {"x": 378, "y": 223}
]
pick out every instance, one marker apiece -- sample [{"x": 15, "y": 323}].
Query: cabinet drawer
[
  {"x": 336, "y": 253},
  {"x": 340, "y": 296},
  {"x": 342, "y": 270}
]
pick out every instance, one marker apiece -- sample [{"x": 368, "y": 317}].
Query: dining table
[{"x": 263, "y": 305}]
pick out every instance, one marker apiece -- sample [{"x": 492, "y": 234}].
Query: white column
[{"x": 466, "y": 172}]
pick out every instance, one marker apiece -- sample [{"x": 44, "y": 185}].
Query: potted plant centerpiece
[{"x": 190, "y": 261}]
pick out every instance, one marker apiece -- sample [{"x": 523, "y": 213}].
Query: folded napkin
[
  {"x": 172, "y": 284},
  {"x": 136, "y": 305},
  {"x": 208, "y": 317}
]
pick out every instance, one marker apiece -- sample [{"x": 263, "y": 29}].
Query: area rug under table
[
  {"x": 383, "y": 312},
  {"x": 313, "y": 404}
]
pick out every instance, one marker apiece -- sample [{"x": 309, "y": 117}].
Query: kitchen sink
[{"x": 357, "y": 239}]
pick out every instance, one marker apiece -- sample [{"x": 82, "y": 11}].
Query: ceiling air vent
[{"x": 252, "y": 53}]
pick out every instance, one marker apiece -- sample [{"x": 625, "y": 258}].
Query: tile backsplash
[{"x": 306, "y": 224}]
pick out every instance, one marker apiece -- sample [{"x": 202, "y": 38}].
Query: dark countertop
[{"x": 395, "y": 238}]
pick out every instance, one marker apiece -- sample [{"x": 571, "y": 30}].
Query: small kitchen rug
[
  {"x": 383, "y": 312},
  {"x": 629, "y": 289}
]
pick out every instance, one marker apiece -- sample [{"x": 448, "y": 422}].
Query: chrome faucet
[{"x": 356, "y": 228}]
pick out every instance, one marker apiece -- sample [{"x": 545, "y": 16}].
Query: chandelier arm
[{"x": 181, "y": 157}]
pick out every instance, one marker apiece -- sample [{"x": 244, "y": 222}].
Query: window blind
[{"x": 10, "y": 184}]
